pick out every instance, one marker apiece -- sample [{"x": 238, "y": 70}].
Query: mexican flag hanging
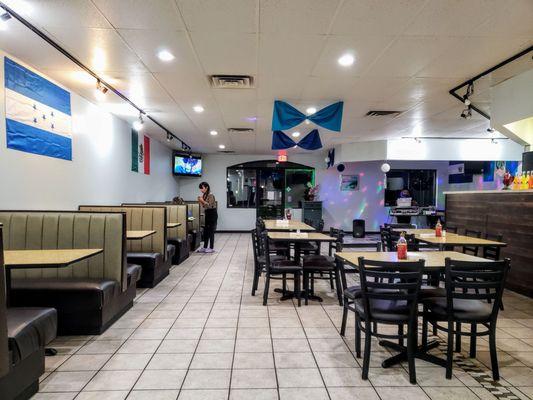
[{"x": 140, "y": 152}]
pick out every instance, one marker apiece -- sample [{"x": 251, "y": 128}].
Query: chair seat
[
  {"x": 431, "y": 291},
  {"x": 278, "y": 246},
  {"x": 308, "y": 246},
  {"x": 273, "y": 259},
  {"x": 29, "y": 328},
  {"x": 319, "y": 267},
  {"x": 353, "y": 292},
  {"x": 284, "y": 267},
  {"x": 318, "y": 259},
  {"x": 463, "y": 309},
  {"x": 384, "y": 310}
]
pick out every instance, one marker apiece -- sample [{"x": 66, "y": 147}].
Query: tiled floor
[{"x": 201, "y": 335}]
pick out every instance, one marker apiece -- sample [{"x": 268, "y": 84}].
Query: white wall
[
  {"x": 100, "y": 170},
  {"x": 214, "y": 172}
]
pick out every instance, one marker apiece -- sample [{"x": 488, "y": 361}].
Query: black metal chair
[
  {"x": 492, "y": 252},
  {"x": 386, "y": 238},
  {"x": 310, "y": 247},
  {"x": 260, "y": 260},
  {"x": 451, "y": 229},
  {"x": 389, "y": 295},
  {"x": 473, "y": 250},
  {"x": 325, "y": 267},
  {"x": 280, "y": 248},
  {"x": 466, "y": 301},
  {"x": 281, "y": 267}
]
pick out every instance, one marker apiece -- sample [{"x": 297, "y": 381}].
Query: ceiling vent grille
[
  {"x": 383, "y": 113},
  {"x": 240, "y": 130},
  {"x": 231, "y": 81},
  {"x": 226, "y": 151}
]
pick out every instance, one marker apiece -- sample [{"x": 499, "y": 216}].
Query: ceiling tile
[
  {"x": 297, "y": 16},
  {"x": 219, "y": 15},
  {"x": 272, "y": 88},
  {"x": 509, "y": 18},
  {"x": 226, "y": 53},
  {"x": 375, "y": 17},
  {"x": 141, "y": 14}
]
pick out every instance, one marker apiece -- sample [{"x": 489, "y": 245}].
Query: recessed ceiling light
[
  {"x": 310, "y": 110},
  {"x": 346, "y": 60},
  {"x": 295, "y": 134},
  {"x": 198, "y": 109},
  {"x": 221, "y": 146},
  {"x": 165, "y": 55},
  {"x": 213, "y": 133}
]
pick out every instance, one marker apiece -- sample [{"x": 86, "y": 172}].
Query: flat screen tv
[{"x": 186, "y": 165}]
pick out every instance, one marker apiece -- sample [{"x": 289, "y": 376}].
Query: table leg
[
  {"x": 421, "y": 353},
  {"x": 8, "y": 286}
]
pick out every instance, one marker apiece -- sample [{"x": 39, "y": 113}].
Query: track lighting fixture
[
  {"x": 490, "y": 130},
  {"x": 493, "y": 141},
  {"x": 467, "y": 113},
  {"x": 100, "y": 87},
  {"x": 169, "y": 137},
  {"x": 418, "y": 140},
  {"x": 5, "y": 17},
  {"x": 138, "y": 124}
]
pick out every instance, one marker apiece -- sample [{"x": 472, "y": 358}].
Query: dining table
[
  {"x": 433, "y": 261},
  {"x": 138, "y": 235},
  {"x": 43, "y": 258},
  {"x": 287, "y": 225},
  {"x": 171, "y": 225}
]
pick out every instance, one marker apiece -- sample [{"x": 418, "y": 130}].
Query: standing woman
[{"x": 208, "y": 203}]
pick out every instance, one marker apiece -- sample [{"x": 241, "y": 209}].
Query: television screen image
[{"x": 185, "y": 165}]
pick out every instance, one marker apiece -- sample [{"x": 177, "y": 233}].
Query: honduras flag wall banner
[
  {"x": 38, "y": 114},
  {"x": 140, "y": 152}
]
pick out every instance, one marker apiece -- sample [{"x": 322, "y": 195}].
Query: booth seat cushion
[
  {"x": 29, "y": 329},
  {"x": 134, "y": 273},
  {"x": 182, "y": 249},
  {"x": 68, "y": 294},
  {"x": 171, "y": 250}
]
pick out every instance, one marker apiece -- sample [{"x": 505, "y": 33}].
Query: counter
[{"x": 509, "y": 212}]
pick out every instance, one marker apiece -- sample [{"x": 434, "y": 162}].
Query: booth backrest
[
  {"x": 33, "y": 230},
  {"x": 175, "y": 213},
  {"x": 193, "y": 210},
  {"x": 142, "y": 218},
  {"x": 4, "y": 350}
]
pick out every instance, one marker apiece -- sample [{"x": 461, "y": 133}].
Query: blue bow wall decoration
[
  {"x": 311, "y": 141},
  {"x": 286, "y": 116}
]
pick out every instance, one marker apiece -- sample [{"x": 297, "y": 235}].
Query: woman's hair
[{"x": 206, "y": 186}]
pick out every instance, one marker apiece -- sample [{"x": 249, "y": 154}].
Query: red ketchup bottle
[
  {"x": 401, "y": 248},
  {"x": 438, "y": 229}
]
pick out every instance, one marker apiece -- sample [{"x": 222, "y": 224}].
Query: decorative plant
[{"x": 311, "y": 192}]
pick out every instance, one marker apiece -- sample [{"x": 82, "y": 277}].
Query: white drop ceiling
[{"x": 409, "y": 54}]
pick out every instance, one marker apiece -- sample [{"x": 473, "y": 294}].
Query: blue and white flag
[{"x": 38, "y": 115}]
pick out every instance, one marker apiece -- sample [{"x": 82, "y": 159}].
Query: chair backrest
[
  {"x": 412, "y": 243},
  {"x": 33, "y": 230},
  {"x": 451, "y": 229},
  {"x": 264, "y": 248},
  {"x": 471, "y": 249},
  {"x": 260, "y": 225},
  {"x": 175, "y": 213},
  {"x": 139, "y": 218},
  {"x": 4, "y": 350},
  {"x": 472, "y": 280},
  {"x": 339, "y": 235},
  {"x": 386, "y": 239},
  {"x": 390, "y": 281},
  {"x": 492, "y": 252}
]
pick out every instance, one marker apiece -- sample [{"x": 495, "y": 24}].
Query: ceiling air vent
[
  {"x": 226, "y": 151},
  {"x": 383, "y": 113},
  {"x": 240, "y": 130},
  {"x": 231, "y": 81}
]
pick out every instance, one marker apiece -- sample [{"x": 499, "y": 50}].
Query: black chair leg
[
  {"x": 457, "y": 337},
  {"x": 267, "y": 286},
  {"x": 256, "y": 280},
  {"x": 306, "y": 287},
  {"x": 366, "y": 356},
  {"x": 493, "y": 353},
  {"x": 411, "y": 348},
  {"x": 424, "y": 328},
  {"x": 357, "y": 338},
  {"x": 400, "y": 335},
  {"x": 331, "y": 280},
  {"x": 449, "y": 351},
  {"x": 344, "y": 319},
  {"x": 473, "y": 337},
  {"x": 338, "y": 286},
  {"x": 297, "y": 291},
  {"x": 284, "y": 286}
]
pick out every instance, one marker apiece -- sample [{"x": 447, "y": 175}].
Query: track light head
[
  {"x": 101, "y": 87},
  {"x": 5, "y": 17},
  {"x": 138, "y": 124},
  {"x": 467, "y": 113},
  {"x": 490, "y": 130},
  {"x": 169, "y": 137}
]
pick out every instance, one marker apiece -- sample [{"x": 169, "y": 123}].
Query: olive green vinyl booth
[
  {"x": 88, "y": 295},
  {"x": 151, "y": 252}
]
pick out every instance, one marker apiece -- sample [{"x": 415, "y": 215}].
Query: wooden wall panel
[{"x": 508, "y": 213}]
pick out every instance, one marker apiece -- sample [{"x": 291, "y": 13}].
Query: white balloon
[{"x": 385, "y": 168}]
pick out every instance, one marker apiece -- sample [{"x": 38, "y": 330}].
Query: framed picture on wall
[{"x": 349, "y": 183}]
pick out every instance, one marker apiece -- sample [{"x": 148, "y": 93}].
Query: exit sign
[{"x": 282, "y": 157}]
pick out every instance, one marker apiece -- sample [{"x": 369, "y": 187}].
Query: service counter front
[{"x": 507, "y": 212}]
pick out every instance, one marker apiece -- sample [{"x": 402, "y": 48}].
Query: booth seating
[
  {"x": 151, "y": 253},
  {"x": 194, "y": 230},
  {"x": 88, "y": 295},
  {"x": 176, "y": 237},
  {"x": 23, "y": 334}
]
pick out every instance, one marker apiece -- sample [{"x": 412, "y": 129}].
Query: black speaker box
[{"x": 358, "y": 228}]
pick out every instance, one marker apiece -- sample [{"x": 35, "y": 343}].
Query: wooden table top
[
  {"x": 433, "y": 259},
  {"x": 173, "y": 224},
  {"x": 46, "y": 258},
  {"x": 286, "y": 225},
  {"x": 302, "y": 237},
  {"x": 416, "y": 231},
  {"x": 452, "y": 239},
  {"x": 138, "y": 235}
]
